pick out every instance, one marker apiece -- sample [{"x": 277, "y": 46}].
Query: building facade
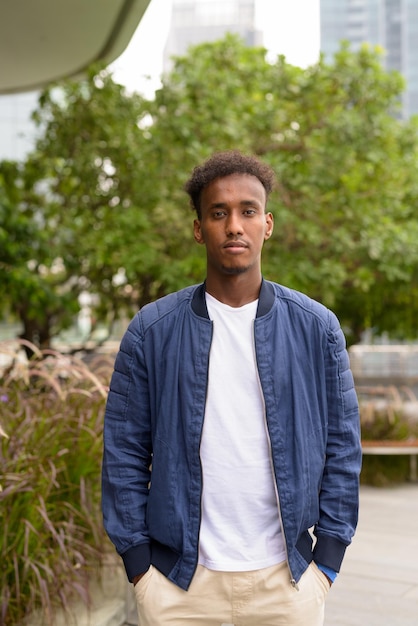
[
  {"x": 17, "y": 131},
  {"x": 198, "y": 21},
  {"x": 391, "y": 24}
]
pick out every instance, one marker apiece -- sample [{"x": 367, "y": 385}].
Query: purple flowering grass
[{"x": 51, "y": 540}]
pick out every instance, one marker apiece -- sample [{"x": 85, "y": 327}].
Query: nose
[{"x": 234, "y": 225}]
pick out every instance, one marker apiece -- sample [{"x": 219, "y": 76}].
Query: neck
[{"x": 234, "y": 291}]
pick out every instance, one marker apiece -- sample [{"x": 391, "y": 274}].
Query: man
[{"x": 232, "y": 431}]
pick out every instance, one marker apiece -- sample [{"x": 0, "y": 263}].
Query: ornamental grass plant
[{"x": 51, "y": 535}]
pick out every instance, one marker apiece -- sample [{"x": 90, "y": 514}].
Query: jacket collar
[{"x": 265, "y": 301}]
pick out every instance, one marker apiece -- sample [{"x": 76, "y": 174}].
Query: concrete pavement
[{"x": 378, "y": 584}]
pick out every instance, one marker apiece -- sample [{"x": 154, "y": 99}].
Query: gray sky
[{"x": 290, "y": 27}]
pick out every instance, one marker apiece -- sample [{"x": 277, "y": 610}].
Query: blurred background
[{"x": 105, "y": 107}]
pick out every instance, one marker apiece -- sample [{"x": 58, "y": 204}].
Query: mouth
[
  {"x": 235, "y": 248},
  {"x": 235, "y": 245}
]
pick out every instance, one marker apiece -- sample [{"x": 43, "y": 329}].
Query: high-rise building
[
  {"x": 391, "y": 24},
  {"x": 198, "y": 21},
  {"x": 17, "y": 130}
]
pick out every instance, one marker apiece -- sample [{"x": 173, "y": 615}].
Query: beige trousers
[{"x": 258, "y": 598}]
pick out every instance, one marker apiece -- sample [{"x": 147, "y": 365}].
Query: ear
[
  {"x": 269, "y": 226},
  {"x": 197, "y": 232}
]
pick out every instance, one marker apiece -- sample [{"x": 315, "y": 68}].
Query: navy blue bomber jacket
[{"x": 155, "y": 412}]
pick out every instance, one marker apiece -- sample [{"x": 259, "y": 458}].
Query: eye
[{"x": 218, "y": 214}]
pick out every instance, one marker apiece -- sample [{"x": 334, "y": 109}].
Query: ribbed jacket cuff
[
  {"x": 330, "y": 552},
  {"x": 137, "y": 560}
]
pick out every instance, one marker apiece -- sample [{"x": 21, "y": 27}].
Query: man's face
[{"x": 233, "y": 224}]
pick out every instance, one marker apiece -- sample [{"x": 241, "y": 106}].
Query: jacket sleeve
[
  {"x": 339, "y": 494},
  {"x": 127, "y": 453}
]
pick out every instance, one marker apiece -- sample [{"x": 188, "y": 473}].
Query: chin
[{"x": 234, "y": 271}]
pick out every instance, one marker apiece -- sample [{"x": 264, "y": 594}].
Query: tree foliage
[{"x": 101, "y": 202}]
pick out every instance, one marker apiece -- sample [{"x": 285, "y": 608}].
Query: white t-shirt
[{"x": 240, "y": 529}]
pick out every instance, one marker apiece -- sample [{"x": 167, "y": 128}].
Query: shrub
[
  {"x": 387, "y": 413},
  {"x": 51, "y": 535}
]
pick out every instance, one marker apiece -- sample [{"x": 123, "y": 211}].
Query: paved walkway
[{"x": 378, "y": 584}]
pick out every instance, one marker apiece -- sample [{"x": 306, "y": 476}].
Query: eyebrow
[{"x": 243, "y": 203}]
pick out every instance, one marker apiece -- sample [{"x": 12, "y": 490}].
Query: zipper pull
[{"x": 294, "y": 584}]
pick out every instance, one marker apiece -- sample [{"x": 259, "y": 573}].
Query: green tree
[
  {"x": 348, "y": 221},
  {"x": 81, "y": 209},
  {"x": 31, "y": 274}
]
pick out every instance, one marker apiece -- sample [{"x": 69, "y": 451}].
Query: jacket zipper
[{"x": 276, "y": 491}]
